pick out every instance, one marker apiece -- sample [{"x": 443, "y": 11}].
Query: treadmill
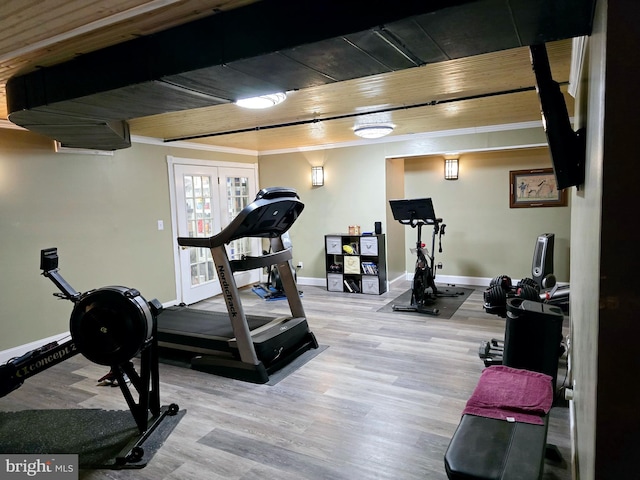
[{"x": 236, "y": 345}]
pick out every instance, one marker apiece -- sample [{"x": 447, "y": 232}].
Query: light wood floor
[{"x": 382, "y": 402}]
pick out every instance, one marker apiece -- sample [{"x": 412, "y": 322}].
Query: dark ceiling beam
[
  {"x": 272, "y": 45},
  {"x": 257, "y": 29}
]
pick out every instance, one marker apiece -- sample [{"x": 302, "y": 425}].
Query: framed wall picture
[{"x": 535, "y": 188}]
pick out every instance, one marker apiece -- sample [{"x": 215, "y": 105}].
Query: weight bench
[{"x": 503, "y": 431}]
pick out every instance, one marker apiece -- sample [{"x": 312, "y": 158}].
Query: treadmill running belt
[{"x": 202, "y": 322}]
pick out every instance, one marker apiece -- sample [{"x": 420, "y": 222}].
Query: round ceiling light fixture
[
  {"x": 262, "y": 101},
  {"x": 374, "y": 130}
]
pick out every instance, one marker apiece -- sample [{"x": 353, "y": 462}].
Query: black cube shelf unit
[{"x": 356, "y": 263}]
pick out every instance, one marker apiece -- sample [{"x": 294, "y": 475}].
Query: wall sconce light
[
  {"x": 451, "y": 169},
  {"x": 317, "y": 176}
]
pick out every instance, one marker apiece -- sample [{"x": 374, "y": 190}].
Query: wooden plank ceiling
[
  {"x": 488, "y": 89},
  {"x": 461, "y": 93}
]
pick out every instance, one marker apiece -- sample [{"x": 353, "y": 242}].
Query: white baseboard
[
  {"x": 473, "y": 281},
  {"x": 444, "y": 279},
  {"x": 316, "y": 282},
  {"x": 14, "y": 352},
  {"x": 399, "y": 278},
  {"x": 448, "y": 279}
]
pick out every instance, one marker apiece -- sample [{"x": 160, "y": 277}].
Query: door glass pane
[
  {"x": 237, "y": 189},
  {"x": 197, "y": 193}
]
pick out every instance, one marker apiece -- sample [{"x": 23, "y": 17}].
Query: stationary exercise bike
[
  {"x": 417, "y": 213},
  {"x": 273, "y": 289}
]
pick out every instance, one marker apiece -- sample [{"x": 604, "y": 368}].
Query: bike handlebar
[{"x": 440, "y": 237}]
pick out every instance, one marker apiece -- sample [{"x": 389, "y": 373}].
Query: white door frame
[
  {"x": 171, "y": 162},
  {"x": 249, "y": 276},
  {"x": 192, "y": 293}
]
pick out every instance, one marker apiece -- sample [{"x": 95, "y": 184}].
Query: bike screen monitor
[{"x": 49, "y": 259}]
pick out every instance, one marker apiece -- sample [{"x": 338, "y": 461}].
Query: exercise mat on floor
[
  {"x": 295, "y": 364},
  {"x": 97, "y": 436},
  {"x": 446, "y": 305}
]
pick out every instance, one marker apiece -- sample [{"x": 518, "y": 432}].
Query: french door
[
  {"x": 238, "y": 189},
  {"x": 207, "y": 198}
]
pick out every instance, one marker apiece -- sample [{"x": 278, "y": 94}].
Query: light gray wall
[
  {"x": 353, "y": 194},
  {"x": 484, "y": 237},
  {"x": 101, "y": 213},
  {"x": 585, "y": 254}
]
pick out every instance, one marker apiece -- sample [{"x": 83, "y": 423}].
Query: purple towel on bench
[{"x": 511, "y": 394}]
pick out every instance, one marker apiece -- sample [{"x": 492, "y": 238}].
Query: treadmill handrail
[
  {"x": 204, "y": 242},
  {"x": 264, "y": 217},
  {"x": 249, "y": 263},
  {"x": 273, "y": 192}
]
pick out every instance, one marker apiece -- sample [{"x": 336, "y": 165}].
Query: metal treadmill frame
[{"x": 270, "y": 215}]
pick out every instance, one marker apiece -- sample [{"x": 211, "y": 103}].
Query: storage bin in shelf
[
  {"x": 333, "y": 245},
  {"x": 369, "y": 245},
  {"x": 361, "y": 267}
]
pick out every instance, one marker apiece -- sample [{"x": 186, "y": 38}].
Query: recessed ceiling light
[{"x": 262, "y": 101}]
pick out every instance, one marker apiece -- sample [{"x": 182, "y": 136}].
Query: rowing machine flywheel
[{"x": 110, "y": 325}]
